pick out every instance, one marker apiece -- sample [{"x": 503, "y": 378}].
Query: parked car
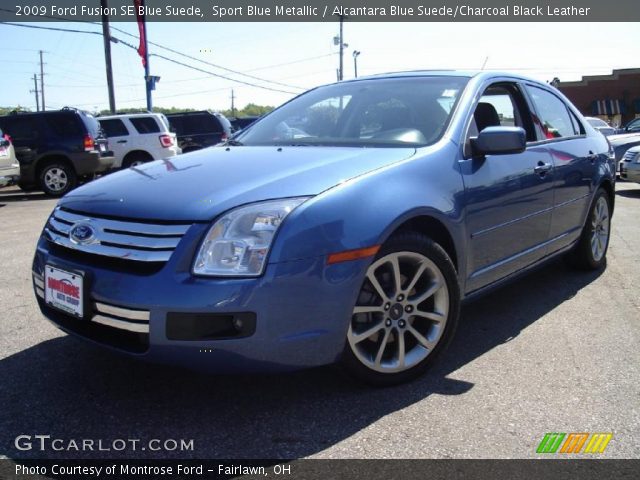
[
  {"x": 621, "y": 143},
  {"x": 240, "y": 123},
  {"x": 137, "y": 138},
  {"x": 355, "y": 243},
  {"x": 631, "y": 127},
  {"x": 198, "y": 130},
  {"x": 630, "y": 166},
  {"x": 9, "y": 166},
  {"x": 56, "y": 148},
  {"x": 600, "y": 125}
]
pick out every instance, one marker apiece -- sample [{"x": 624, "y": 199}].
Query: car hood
[
  {"x": 623, "y": 138},
  {"x": 200, "y": 185}
]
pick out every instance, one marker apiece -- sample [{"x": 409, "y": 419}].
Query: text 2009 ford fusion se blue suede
[{"x": 346, "y": 226}]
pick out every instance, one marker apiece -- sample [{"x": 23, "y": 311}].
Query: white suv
[{"x": 137, "y": 138}]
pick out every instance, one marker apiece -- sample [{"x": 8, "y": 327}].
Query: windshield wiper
[{"x": 233, "y": 143}]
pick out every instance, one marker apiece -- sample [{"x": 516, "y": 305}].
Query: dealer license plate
[{"x": 63, "y": 290}]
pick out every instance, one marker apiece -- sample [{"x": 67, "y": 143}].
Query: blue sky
[{"x": 74, "y": 63}]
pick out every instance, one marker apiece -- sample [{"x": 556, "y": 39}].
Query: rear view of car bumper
[
  {"x": 8, "y": 180},
  {"x": 92, "y": 162}
]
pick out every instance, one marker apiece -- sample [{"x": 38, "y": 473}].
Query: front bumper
[
  {"x": 630, "y": 171},
  {"x": 301, "y": 309}
]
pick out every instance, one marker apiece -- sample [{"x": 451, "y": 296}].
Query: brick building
[{"x": 614, "y": 97}]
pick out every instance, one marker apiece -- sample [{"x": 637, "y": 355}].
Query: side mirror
[{"x": 499, "y": 141}]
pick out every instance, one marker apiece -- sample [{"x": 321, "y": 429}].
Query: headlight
[{"x": 238, "y": 243}]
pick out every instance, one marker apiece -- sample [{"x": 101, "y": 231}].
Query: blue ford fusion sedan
[{"x": 344, "y": 227}]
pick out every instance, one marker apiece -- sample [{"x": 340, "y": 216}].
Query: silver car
[
  {"x": 600, "y": 125},
  {"x": 630, "y": 165},
  {"x": 9, "y": 166}
]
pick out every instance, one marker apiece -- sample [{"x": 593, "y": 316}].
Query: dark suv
[
  {"x": 57, "y": 148},
  {"x": 198, "y": 130}
]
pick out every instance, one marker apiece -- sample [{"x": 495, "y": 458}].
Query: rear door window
[
  {"x": 145, "y": 124},
  {"x": 114, "y": 127}
]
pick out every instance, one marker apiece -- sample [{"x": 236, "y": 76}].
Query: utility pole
[
  {"x": 42, "y": 81},
  {"x": 35, "y": 90},
  {"x": 233, "y": 105},
  {"x": 150, "y": 82},
  {"x": 106, "y": 36},
  {"x": 341, "y": 48},
  {"x": 356, "y": 54}
]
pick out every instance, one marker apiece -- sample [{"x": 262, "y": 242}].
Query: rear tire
[
  {"x": 136, "y": 159},
  {"x": 57, "y": 178},
  {"x": 590, "y": 253},
  {"x": 406, "y": 312}
]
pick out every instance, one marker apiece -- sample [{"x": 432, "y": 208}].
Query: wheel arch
[
  {"x": 50, "y": 158},
  {"x": 136, "y": 152},
  {"x": 433, "y": 228},
  {"x": 607, "y": 185}
]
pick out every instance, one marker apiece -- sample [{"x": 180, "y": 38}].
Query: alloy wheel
[{"x": 401, "y": 312}]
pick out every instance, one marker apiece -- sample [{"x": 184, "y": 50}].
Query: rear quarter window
[
  {"x": 64, "y": 124},
  {"x": 145, "y": 124}
]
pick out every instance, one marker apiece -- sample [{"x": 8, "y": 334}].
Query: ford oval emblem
[{"x": 82, "y": 233}]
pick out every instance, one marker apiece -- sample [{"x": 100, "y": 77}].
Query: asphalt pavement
[{"x": 557, "y": 351}]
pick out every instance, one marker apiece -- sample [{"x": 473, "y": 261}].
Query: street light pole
[
  {"x": 356, "y": 54},
  {"x": 106, "y": 34}
]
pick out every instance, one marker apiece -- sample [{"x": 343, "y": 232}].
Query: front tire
[
  {"x": 406, "y": 312},
  {"x": 591, "y": 250}
]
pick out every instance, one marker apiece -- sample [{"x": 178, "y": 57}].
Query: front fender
[{"x": 367, "y": 210}]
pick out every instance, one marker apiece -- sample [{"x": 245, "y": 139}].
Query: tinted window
[
  {"x": 555, "y": 120},
  {"x": 201, "y": 123},
  {"x": 21, "y": 128},
  {"x": 64, "y": 124},
  {"x": 382, "y": 112},
  {"x": 177, "y": 124},
  {"x": 634, "y": 125},
  {"x": 145, "y": 124},
  {"x": 114, "y": 127}
]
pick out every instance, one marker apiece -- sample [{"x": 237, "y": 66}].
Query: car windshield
[
  {"x": 596, "y": 122},
  {"x": 410, "y": 111}
]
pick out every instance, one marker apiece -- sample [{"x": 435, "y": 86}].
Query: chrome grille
[{"x": 142, "y": 242}]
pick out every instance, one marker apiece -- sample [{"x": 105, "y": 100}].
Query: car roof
[
  {"x": 132, "y": 115},
  {"x": 480, "y": 74}
]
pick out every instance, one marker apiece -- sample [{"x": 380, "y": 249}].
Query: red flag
[{"x": 142, "y": 47}]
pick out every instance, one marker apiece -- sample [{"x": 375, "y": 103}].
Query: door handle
[
  {"x": 121, "y": 141},
  {"x": 542, "y": 168}
]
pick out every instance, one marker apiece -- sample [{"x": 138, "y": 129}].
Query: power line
[
  {"x": 159, "y": 56},
  {"x": 209, "y": 63},
  {"x": 221, "y": 76}
]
